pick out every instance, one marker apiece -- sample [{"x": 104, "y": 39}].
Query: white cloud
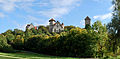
[
  {"x": 63, "y": 3},
  {"x": 96, "y": 0},
  {"x": 60, "y": 7},
  {"x": 11, "y": 5},
  {"x": 55, "y": 8},
  {"x": 103, "y": 17},
  {"x": 36, "y": 20},
  {"x": 2, "y": 15},
  {"x": 112, "y": 7},
  {"x": 30, "y": 18},
  {"x": 100, "y": 0},
  {"x": 55, "y": 12},
  {"x": 82, "y": 22}
]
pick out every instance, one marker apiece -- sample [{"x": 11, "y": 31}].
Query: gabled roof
[
  {"x": 87, "y": 18},
  {"x": 59, "y": 24},
  {"x": 51, "y": 19},
  {"x": 30, "y": 24}
]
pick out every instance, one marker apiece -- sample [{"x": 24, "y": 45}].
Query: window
[
  {"x": 55, "y": 30},
  {"x": 59, "y": 30}
]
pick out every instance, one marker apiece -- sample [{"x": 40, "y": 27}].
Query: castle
[{"x": 55, "y": 26}]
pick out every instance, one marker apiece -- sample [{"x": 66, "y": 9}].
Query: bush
[{"x": 75, "y": 43}]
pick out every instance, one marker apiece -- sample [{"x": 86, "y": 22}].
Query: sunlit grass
[{"x": 27, "y": 55}]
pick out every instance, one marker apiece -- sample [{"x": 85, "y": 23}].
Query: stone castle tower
[{"x": 87, "y": 21}]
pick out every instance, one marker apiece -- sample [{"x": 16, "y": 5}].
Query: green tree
[
  {"x": 4, "y": 46},
  {"x": 18, "y": 32},
  {"x": 44, "y": 29},
  {"x": 68, "y": 28},
  {"x": 114, "y": 26},
  {"x": 34, "y": 31},
  {"x": 88, "y": 27},
  {"x": 10, "y": 38},
  {"x": 18, "y": 42},
  {"x": 101, "y": 37},
  {"x": 8, "y": 32},
  {"x": 28, "y": 33}
]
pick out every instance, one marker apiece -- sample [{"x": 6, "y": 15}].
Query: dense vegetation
[
  {"x": 94, "y": 41},
  {"x": 73, "y": 42}
]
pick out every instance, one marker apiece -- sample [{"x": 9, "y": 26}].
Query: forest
[{"x": 95, "y": 41}]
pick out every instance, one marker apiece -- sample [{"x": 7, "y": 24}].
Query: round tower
[
  {"x": 51, "y": 24},
  {"x": 52, "y": 21}
]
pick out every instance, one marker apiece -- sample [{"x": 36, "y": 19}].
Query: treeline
[{"x": 92, "y": 41}]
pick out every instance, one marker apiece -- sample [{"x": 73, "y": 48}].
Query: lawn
[{"x": 29, "y": 55}]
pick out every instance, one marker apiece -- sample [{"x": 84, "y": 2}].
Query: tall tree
[
  {"x": 101, "y": 37},
  {"x": 114, "y": 26}
]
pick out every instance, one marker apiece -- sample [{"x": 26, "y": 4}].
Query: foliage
[
  {"x": 76, "y": 43},
  {"x": 73, "y": 42},
  {"x": 4, "y": 47},
  {"x": 114, "y": 28},
  {"x": 101, "y": 37},
  {"x": 68, "y": 28}
]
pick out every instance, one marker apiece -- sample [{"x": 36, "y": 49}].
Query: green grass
[{"x": 28, "y": 55}]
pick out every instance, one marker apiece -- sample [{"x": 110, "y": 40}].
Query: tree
[
  {"x": 10, "y": 38},
  {"x": 18, "y": 42},
  {"x": 114, "y": 26},
  {"x": 8, "y": 32},
  {"x": 88, "y": 27},
  {"x": 101, "y": 36},
  {"x": 68, "y": 28},
  {"x": 18, "y": 32},
  {"x": 28, "y": 33},
  {"x": 34, "y": 31},
  {"x": 4, "y": 46}
]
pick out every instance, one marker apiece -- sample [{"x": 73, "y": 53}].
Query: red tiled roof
[
  {"x": 51, "y": 20},
  {"x": 55, "y": 24},
  {"x": 35, "y": 27}
]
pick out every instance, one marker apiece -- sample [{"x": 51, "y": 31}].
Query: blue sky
[{"x": 18, "y": 13}]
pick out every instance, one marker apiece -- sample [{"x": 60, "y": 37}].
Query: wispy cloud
[
  {"x": 60, "y": 7},
  {"x": 112, "y": 7},
  {"x": 36, "y": 20},
  {"x": 56, "y": 7},
  {"x": 103, "y": 17},
  {"x": 50, "y": 8},
  {"x": 55, "y": 12},
  {"x": 82, "y": 22},
  {"x": 101, "y": 0},
  {"x": 2, "y": 15}
]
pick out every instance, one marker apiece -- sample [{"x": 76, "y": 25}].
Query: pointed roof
[
  {"x": 62, "y": 24},
  {"x": 51, "y": 19},
  {"x": 87, "y": 18},
  {"x": 30, "y": 24}
]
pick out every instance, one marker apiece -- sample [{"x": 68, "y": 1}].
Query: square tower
[{"x": 87, "y": 21}]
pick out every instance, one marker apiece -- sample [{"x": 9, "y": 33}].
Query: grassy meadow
[{"x": 29, "y": 55}]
